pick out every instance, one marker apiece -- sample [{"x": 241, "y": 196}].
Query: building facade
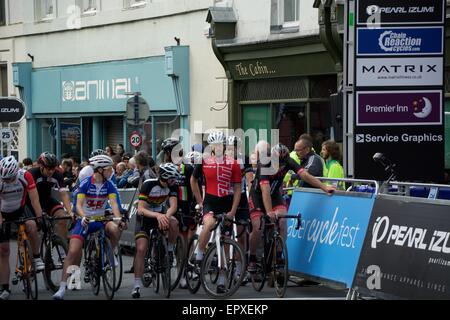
[{"x": 76, "y": 63}]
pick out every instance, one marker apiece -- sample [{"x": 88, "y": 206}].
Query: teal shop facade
[{"x": 77, "y": 108}]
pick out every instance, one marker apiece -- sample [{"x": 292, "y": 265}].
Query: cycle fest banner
[
  {"x": 399, "y": 87},
  {"x": 329, "y": 243},
  {"x": 406, "y": 252}
]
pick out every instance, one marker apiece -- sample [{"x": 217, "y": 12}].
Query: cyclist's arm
[
  {"x": 66, "y": 201},
  {"x": 146, "y": 212},
  {"x": 196, "y": 190},
  {"x": 305, "y": 176},
  {"x": 236, "y": 197},
  {"x": 267, "y": 200},
  {"x": 114, "y": 205},
  {"x": 80, "y": 202},
  {"x": 34, "y": 197},
  {"x": 249, "y": 179},
  {"x": 173, "y": 206}
]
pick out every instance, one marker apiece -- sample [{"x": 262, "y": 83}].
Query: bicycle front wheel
[
  {"x": 108, "y": 269},
  {"x": 228, "y": 281},
  {"x": 54, "y": 254},
  {"x": 280, "y": 266},
  {"x": 192, "y": 273},
  {"x": 119, "y": 268},
  {"x": 177, "y": 261},
  {"x": 93, "y": 265},
  {"x": 29, "y": 276},
  {"x": 164, "y": 266}
]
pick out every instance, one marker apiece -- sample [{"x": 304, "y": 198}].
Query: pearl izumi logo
[
  {"x": 391, "y": 41},
  {"x": 96, "y": 89}
]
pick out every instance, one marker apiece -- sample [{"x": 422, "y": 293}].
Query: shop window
[
  {"x": 129, "y": 4},
  {"x": 3, "y": 81},
  {"x": 165, "y": 126},
  {"x": 45, "y": 9},
  {"x": 2, "y": 12},
  {"x": 291, "y": 121},
  {"x": 90, "y": 6},
  {"x": 285, "y": 14}
]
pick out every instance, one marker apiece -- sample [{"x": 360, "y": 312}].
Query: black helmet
[
  {"x": 97, "y": 152},
  {"x": 281, "y": 150},
  {"x": 48, "y": 160},
  {"x": 169, "y": 144}
]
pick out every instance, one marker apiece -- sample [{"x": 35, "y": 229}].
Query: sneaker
[
  {"x": 59, "y": 295},
  {"x": 4, "y": 295},
  {"x": 221, "y": 289},
  {"x": 39, "y": 265},
  {"x": 136, "y": 293},
  {"x": 183, "y": 283},
  {"x": 251, "y": 267}
]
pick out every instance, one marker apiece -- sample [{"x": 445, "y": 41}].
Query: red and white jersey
[{"x": 14, "y": 194}]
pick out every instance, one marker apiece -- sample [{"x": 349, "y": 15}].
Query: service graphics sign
[
  {"x": 328, "y": 244},
  {"x": 401, "y": 11},
  {"x": 379, "y": 108},
  {"x": 400, "y": 41},
  {"x": 376, "y": 72},
  {"x": 406, "y": 252}
]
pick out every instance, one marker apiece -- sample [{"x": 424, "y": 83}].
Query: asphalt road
[{"x": 294, "y": 292}]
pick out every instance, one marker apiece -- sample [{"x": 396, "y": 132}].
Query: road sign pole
[{"x": 136, "y": 109}]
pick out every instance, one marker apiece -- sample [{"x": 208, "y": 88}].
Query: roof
[{"x": 221, "y": 14}]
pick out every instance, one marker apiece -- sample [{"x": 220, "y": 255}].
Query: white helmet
[
  {"x": 194, "y": 157},
  {"x": 168, "y": 171},
  {"x": 8, "y": 167},
  {"x": 216, "y": 137},
  {"x": 233, "y": 141},
  {"x": 100, "y": 161}
]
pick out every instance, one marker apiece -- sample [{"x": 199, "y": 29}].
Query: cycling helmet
[
  {"x": 216, "y": 137},
  {"x": 194, "y": 157},
  {"x": 97, "y": 152},
  {"x": 100, "y": 161},
  {"x": 233, "y": 141},
  {"x": 48, "y": 160},
  {"x": 168, "y": 171},
  {"x": 281, "y": 150},
  {"x": 169, "y": 144},
  {"x": 8, "y": 167}
]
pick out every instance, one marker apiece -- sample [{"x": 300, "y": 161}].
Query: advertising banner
[
  {"x": 400, "y": 41},
  {"x": 328, "y": 244},
  {"x": 398, "y": 108},
  {"x": 400, "y": 11},
  {"x": 376, "y": 72},
  {"x": 406, "y": 252}
]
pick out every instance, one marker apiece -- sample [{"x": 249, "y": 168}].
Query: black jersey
[
  {"x": 154, "y": 194},
  {"x": 45, "y": 185}
]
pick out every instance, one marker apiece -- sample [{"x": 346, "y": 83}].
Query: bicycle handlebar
[{"x": 298, "y": 217}]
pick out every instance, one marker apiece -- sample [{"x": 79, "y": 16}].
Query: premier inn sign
[{"x": 11, "y": 110}]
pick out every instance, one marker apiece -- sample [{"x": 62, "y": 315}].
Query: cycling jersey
[
  {"x": 154, "y": 194},
  {"x": 219, "y": 177},
  {"x": 13, "y": 195},
  {"x": 96, "y": 195},
  {"x": 275, "y": 180}
]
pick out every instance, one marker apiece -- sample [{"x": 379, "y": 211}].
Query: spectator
[
  {"x": 69, "y": 177},
  {"x": 109, "y": 151},
  {"x": 27, "y": 163},
  {"x": 116, "y": 159},
  {"x": 126, "y": 157},
  {"x": 332, "y": 155},
  {"x": 143, "y": 171},
  {"x": 310, "y": 161},
  {"x": 119, "y": 149},
  {"x": 123, "y": 181}
]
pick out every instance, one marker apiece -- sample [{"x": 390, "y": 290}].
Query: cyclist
[
  {"x": 266, "y": 191},
  {"x": 223, "y": 192},
  {"x": 242, "y": 214},
  {"x": 92, "y": 197},
  {"x": 87, "y": 171},
  {"x": 150, "y": 215},
  {"x": 48, "y": 177},
  {"x": 185, "y": 203},
  {"x": 15, "y": 185}
]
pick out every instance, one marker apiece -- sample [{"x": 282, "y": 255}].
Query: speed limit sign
[
  {"x": 6, "y": 135},
  {"x": 135, "y": 139}
]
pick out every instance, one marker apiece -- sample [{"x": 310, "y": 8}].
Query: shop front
[{"x": 78, "y": 108}]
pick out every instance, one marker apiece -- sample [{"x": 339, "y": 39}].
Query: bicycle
[
  {"x": 274, "y": 259},
  {"x": 220, "y": 260},
  {"x": 191, "y": 271},
  {"x": 25, "y": 270},
  {"x": 157, "y": 263},
  {"x": 99, "y": 260},
  {"x": 53, "y": 252}
]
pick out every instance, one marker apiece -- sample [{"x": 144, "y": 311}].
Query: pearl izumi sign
[{"x": 399, "y": 87}]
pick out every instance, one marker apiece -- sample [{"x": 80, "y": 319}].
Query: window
[
  {"x": 2, "y": 12},
  {"x": 129, "y": 4},
  {"x": 3, "y": 80},
  {"x": 90, "y": 6},
  {"x": 45, "y": 9},
  {"x": 285, "y": 14}
]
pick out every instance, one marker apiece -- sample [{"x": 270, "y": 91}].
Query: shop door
[
  {"x": 113, "y": 131},
  {"x": 256, "y": 117}
]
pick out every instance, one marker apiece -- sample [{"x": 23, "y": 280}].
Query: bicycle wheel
[
  {"x": 93, "y": 265},
  {"x": 119, "y": 268},
  {"x": 54, "y": 254},
  {"x": 259, "y": 276},
  {"x": 280, "y": 266},
  {"x": 192, "y": 273},
  {"x": 29, "y": 276},
  {"x": 164, "y": 265},
  {"x": 108, "y": 269},
  {"x": 230, "y": 252},
  {"x": 177, "y": 261},
  {"x": 148, "y": 276}
]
